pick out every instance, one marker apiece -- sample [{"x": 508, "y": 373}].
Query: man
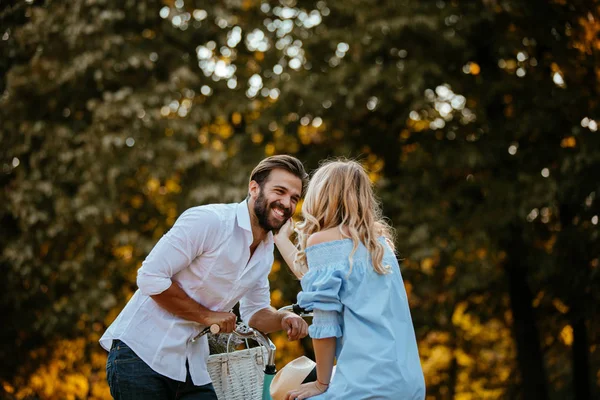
[{"x": 212, "y": 257}]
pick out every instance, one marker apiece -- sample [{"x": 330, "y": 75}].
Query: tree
[
  {"x": 517, "y": 138},
  {"x": 475, "y": 119}
]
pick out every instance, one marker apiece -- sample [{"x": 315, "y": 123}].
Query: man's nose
[{"x": 286, "y": 202}]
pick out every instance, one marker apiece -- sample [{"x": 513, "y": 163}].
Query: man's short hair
[{"x": 261, "y": 172}]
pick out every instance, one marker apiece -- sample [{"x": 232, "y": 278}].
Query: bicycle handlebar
[
  {"x": 215, "y": 329},
  {"x": 245, "y": 332},
  {"x": 296, "y": 309}
]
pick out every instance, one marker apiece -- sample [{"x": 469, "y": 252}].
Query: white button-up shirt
[{"x": 206, "y": 253}]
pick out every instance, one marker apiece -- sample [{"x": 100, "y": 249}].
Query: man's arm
[
  {"x": 269, "y": 320},
  {"x": 177, "y": 302},
  {"x": 256, "y": 311},
  {"x": 193, "y": 233}
]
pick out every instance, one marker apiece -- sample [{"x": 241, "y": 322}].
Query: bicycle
[{"x": 244, "y": 332}]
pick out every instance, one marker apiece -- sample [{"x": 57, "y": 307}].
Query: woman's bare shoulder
[{"x": 324, "y": 236}]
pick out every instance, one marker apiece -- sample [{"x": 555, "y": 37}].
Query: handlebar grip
[{"x": 298, "y": 310}]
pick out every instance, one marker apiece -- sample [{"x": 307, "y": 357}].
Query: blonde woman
[{"x": 352, "y": 282}]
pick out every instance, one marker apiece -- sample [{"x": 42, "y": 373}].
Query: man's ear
[{"x": 253, "y": 189}]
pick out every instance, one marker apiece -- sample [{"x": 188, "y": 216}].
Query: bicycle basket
[{"x": 238, "y": 375}]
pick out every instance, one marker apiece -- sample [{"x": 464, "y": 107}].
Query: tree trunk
[
  {"x": 581, "y": 365},
  {"x": 573, "y": 250},
  {"x": 529, "y": 355}
]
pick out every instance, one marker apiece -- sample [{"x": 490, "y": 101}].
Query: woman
[{"x": 352, "y": 282}]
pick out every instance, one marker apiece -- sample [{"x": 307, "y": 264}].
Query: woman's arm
[
  {"x": 288, "y": 251},
  {"x": 286, "y": 248},
  {"x": 324, "y": 355}
]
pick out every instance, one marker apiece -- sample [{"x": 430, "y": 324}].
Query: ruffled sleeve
[{"x": 321, "y": 294}]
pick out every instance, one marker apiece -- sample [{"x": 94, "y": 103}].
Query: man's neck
[
  {"x": 258, "y": 235},
  {"x": 258, "y": 232}
]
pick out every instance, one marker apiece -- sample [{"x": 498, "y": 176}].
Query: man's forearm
[
  {"x": 177, "y": 302},
  {"x": 267, "y": 320}
]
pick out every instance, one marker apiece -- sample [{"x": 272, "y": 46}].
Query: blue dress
[{"x": 377, "y": 355}]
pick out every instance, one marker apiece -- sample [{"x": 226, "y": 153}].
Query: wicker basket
[{"x": 238, "y": 375}]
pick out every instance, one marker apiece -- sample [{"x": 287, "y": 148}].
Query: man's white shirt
[{"x": 206, "y": 253}]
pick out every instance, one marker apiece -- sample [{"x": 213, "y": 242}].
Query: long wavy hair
[{"x": 340, "y": 194}]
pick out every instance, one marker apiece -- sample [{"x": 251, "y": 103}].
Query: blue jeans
[{"x": 129, "y": 378}]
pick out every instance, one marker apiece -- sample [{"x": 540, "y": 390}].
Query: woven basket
[{"x": 238, "y": 375}]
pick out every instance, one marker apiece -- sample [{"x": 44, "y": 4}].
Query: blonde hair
[{"x": 340, "y": 194}]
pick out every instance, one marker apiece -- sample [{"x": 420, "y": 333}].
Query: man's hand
[
  {"x": 295, "y": 326},
  {"x": 225, "y": 320},
  {"x": 285, "y": 231}
]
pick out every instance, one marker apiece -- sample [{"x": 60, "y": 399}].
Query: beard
[{"x": 262, "y": 211}]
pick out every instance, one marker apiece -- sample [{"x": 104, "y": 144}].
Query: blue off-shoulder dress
[{"x": 368, "y": 313}]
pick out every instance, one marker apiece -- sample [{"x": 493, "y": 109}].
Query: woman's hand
[
  {"x": 285, "y": 231},
  {"x": 306, "y": 390}
]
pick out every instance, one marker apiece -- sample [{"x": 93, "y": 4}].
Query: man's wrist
[
  {"x": 285, "y": 314},
  {"x": 203, "y": 316}
]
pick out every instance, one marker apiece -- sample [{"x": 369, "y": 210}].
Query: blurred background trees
[{"x": 478, "y": 121}]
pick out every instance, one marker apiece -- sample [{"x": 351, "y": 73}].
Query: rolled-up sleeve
[
  {"x": 321, "y": 294},
  {"x": 257, "y": 298},
  {"x": 194, "y": 232}
]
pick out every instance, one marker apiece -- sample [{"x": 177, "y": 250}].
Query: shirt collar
[
  {"x": 243, "y": 216},
  {"x": 243, "y": 220}
]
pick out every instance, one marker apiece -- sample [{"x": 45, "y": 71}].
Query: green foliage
[{"x": 477, "y": 120}]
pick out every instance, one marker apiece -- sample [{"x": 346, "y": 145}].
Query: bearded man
[{"x": 213, "y": 257}]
